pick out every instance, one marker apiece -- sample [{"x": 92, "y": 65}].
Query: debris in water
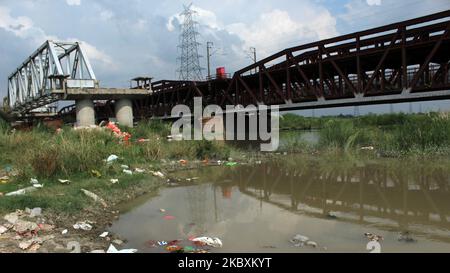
[
  {"x": 169, "y": 217},
  {"x": 213, "y": 242},
  {"x": 299, "y": 240},
  {"x": 162, "y": 210},
  {"x": 407, "y": 237},
  {"x": 373, "y": 237},
  {"x": 95, "y": 197},
  {"x": 162, "y": 243},
  {"x": 158, "y": 174},
  {"x": 128, "y": 172},
  {"x": 311, "y": 243},
  {"x": 113, "y": 249}
]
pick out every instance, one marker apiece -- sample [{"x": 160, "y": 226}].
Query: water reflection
[{"x": 332, "y": 200}]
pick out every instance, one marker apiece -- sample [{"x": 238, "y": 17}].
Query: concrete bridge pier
[
  {"x": 124, "y": 112},
  {"x": 85, "y": 113}
]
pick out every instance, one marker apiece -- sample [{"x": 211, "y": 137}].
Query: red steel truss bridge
[{"x": 401, "y": 62}]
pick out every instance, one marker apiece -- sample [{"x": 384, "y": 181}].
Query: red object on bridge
[{"x": 220, "y": 71}]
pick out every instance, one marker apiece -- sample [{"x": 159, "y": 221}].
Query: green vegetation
[
  {"x": 81, "y": 156},
  {"x": 390, "y": 135}
]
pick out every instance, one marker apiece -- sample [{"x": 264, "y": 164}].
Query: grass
[
  {"x": 48, "y": 156},
  {"x": 391, "y": 135}
]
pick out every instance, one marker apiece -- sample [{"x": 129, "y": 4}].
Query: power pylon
[{"x": 190, "y": 69}]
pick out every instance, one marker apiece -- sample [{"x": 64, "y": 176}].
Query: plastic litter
[
  {"x": 4, "y": 179},
  {"x": 368, "y": 148},
  {"x": 64, "y": 232},
  {"x": 406, "y": 236},
  {"x": 95, "y": 197},
  {"x": 34, "y": 212},
  {"x": 373, "y": 237},
  {"x": 21, "y": 191},
  {"x": 12, "y": 217},
  {"x": 113, "y": 249},
  {"x": 231, "y": 164},
  {"x": 169, "y": 217},
  {"x": 38, "y": 186},
  {"x": 62, "y": 181},
  {"x": 183, "y": 162},
  {"x": 299, "y": 240},
  {"x": 157, "y": 174},
  {"x": 112, "y": 158},
  {"x": 137, "y": 170},
  {"x": 3, "y": 230},
  {"x": 162, "y": 210},
  {"x": 174, "y": 248},
  {"x": 118, "y": 242},
  {"x": 128, "y": 172},
  {"x": 162, "y": 243},
  {"x": 22, "y": 226},
  {"x": 96, "y": 173},
  {"x": 34, "y": 181},
  {"x": 104, "y": 234},
  {"x": 86, "y": 225},
  {"x": 114, "y": 181},
  {"x": 213, "y": 242},
  {"x": 126, "y": 167}
]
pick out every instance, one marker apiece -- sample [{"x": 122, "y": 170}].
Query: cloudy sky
[{"x": 127, "y": 38}]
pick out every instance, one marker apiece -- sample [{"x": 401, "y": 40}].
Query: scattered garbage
[
  {"x": 4, "y": 179},
  {"x": 64, "y": 232},
  {"x": 34, "y": 212},
  {"x": 368, "y": 148},
  {"x": 22, "y": 226},
  {"x": 162, "y": 210},
  {"x": 157, "y": 174},
  {"x": 174, "y": 248},
  {"x": 96, "y": 173},
  {"x": 62, "y": 181},
  {"x": 38, "y": 186},
  {"x": 231, "y": 164},
  {"x": 192, "y": 179},
  {"x": 126, "y": 167},
  {"x": 95, "y": 197},
  {"x": 117, "y": 242},
  {"x": 114, "y": 181},
  {"x": 373, "y": 237},
  {"x": 311, "y": 243},
  {"x": 169, "y": 217},
  {"x": 137, "y": 170},
  {"x": 86, "y": 225},
  {"x": 162, "y": 243},
  {"x": 142, "y": 140},
  {"x": 113, "y": 249},
  {"x": 12, "y": 217},
  {"x": 112, "y": 158},
  {"x": 118, "y": 133},
  {"x": 299, "y": 240},
  {"x": 406, "y": 236},
  {"x": 34, "y": 181},
  {"x": 104, "y": 234},
  {"x": 183, "y": 162},
  {"x": 128, "y": 172},
  {"x": 21, "y": 191},
  {"x": 213, "y": 242}
]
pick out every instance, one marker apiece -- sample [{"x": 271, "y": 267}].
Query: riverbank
[{"x": 389, "y": 135}]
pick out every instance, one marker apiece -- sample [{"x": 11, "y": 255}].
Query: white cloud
[
  {"x": 276, "y": 30},
  {"x": 202, "y": 16},
  {"x": 373, "y": 2},
  {"x": 73, "y": 2},
  {"x": 24, "y": 28}
]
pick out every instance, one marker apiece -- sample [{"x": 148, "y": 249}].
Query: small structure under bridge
[{"x": 61, "y": 71}]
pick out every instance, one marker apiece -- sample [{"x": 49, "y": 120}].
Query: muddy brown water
[{"x": 333, "y": 201}]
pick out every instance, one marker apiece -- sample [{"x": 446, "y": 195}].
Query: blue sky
[{"x": 127, "y": 38}]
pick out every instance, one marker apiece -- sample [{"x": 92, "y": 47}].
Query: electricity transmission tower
[{"x": 190, "y": 69}]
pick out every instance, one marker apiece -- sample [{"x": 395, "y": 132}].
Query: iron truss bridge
[{"x": 402, "y": 62}]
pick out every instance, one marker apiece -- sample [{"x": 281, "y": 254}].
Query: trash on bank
[
  {"x": 95, "y": 197},
  {"x": 86, "y": 225},
  {"x": 112, "y": 158},
  {"x": 62, "y": 181},
  {"x": 126, "y": 167},
  {"x": 213, "y": 242},
  {"x": 183, "y": 162},
  {"x": 3, "y": 230},
  {"x": 114, "y": 181},
  {"x": 34, "y": 212},
  {"x": 373, "y": 237},
  {"x": 169, "y": 217},
  {"x": 157, "y": 174},
  {"x": 137, "y": 170},
  {"x": 104, "y": 234},
  {"x": 174, "y": 248},
  {"x": 128, "y": 172},
  {"x": 96, "y": 173},
  {"x": 4, "y": 179},
  {"x": 64, "y": 232},
  {"x": 38, "y": 186},
  {"x": 113, "y": 249},
  {"x": 231, "y": 164},
  {"x": 299, "y": 240},
  {"x": 162, "y": 243},
  {"x": 368, "y": 148},
  {"x": 34, "y": 181},
  {"x": 21, "y": 191}
]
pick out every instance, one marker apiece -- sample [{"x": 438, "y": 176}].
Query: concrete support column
[
  {"x": 85, "y": 113},
  {"x": 124, "y": 112}
]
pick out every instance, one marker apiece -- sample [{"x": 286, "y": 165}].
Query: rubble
[{"x": 86, "y": 225}]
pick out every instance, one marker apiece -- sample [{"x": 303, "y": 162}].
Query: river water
[{"x": 331, "y": 200}]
